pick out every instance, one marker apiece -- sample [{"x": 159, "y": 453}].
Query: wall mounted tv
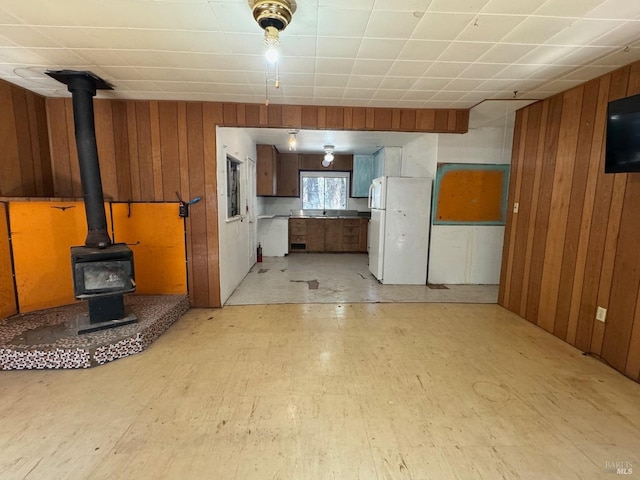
[{"x": 623, "y": 136}]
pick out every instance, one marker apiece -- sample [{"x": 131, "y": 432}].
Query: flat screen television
[{"x": 622, "y": 153}]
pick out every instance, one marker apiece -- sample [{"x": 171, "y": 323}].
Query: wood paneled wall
[
  {"x": 572, "y": 246},
  {"x": 25, "y": 162},
  {"x": 149, "y": 150}
]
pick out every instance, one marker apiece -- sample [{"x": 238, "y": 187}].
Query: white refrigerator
[{"x": 400, "y": 224}]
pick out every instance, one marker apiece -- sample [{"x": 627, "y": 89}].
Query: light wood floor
[{"x": 359, "y": 391}]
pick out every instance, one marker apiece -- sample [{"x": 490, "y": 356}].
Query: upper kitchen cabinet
[
  {"x": 287, "y": 175},
  {"x": 362, "y": 175},
  {"x": 387, "y": 162},
  {"x": 266, "y": 170}
]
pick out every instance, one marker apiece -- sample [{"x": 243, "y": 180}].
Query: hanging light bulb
[
  {"x": 328, "y": 155},
  {"x": 272, "y": 42},
  {"x": 293, "y": 141}
]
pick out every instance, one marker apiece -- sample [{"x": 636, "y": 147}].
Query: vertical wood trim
[
  {"x": 10, "y": 180},
  {"x": 169, "y": 149},
  {"x": 183, "y": 151},
  {"x": 156, "y": 155},
  {"x": 145, "y": 150},
  {"x": 74, "y": 162},
  {"x": 106, "y": 147},
  {"x": 23, "y": 141},
  {"x": 39, "y": 160},
  {"x": 122, "y": 153},
  {"x": 59, "y": 146}
]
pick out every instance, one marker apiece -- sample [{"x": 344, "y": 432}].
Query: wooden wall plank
[
  {"x": 156, "y": 150},
  {"x": 576, "y": 205},
  {"x": 561, "y": 192},
  {"x": 121, "y": 149},
  {"x": 407, "y": 120},
  {"x": 309, "y": 117},
  {"x": 145, "y": 151},
  {"x": 335, "y": 117},
  {"x": 230, "y": 114},
  {"x": 36, "y": 145},
  {"x": 526, "y": 172},
  {"x": 169, "y": 149},
  {"x": 322, "y": 118},
  {"x": 348, "y": 118},
  {"x": 252, "y": 115},
  {"x": 533, "y": 213},
  {"x": 544, "y": 204},
  {"x": 211, "y": 118},
  {"x": 625, "y": 280},
  {"x": 197, "y": 260},
  {"x": 275, "y": 115},
  {"x": 369, "y": 118},
  {"x": 504, "y": 287},
  {"x": 134, "y": 156},
  {"x": 74, "y": 162},
  {"x": 426, "y": 120},
  {"x": 10, "y": 180},
  {"x": 442, "y": 120},
  {"x": 291, "y": 116},
  {"x": 183, "y": 148},
  {"x": 106, "y": 147},
  {"x": 23, "y": 141},
  {"x": 44, "y": 150},
  {"x": 383, "y": 119},
  {"x": 60, "y": 168},
  {"x": 359, "y": 118}
]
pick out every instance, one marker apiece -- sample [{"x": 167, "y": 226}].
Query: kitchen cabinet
[
  {"x": 362, "y": 175},
  {"x": 287, "y": 184},
  {"x": 328, "y": 235},
  {"x": 266, "y": 170}
]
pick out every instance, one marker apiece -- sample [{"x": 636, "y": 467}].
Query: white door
[
  {"x": 376, "y": 251},
  {"x": 251, "y": 210}
]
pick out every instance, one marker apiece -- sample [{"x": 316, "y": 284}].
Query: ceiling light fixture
[
  {"x": 293, "y": 141},
  {"x": 273, "y": 16},
  {"x": 328, "y": 155}
]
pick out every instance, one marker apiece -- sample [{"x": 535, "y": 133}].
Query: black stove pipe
[{"x": 82, "y": 86}]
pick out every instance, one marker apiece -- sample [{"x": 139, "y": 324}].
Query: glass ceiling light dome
[{"x": 328, "y": 155}]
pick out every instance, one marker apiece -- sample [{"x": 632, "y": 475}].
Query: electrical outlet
[
  {"x": 601, "y": 314},
  {"x": 516, "y": 206}
]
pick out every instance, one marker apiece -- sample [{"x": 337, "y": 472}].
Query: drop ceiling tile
[
  {"x": 567, "y": 8},
  {"x": 428, "y": 83},
  {"x": 547, "y": 54},
  {"x": 476, "y": 96},
  {"x": 561, "y": 85},
  {"x": 441, "y": 26},
  {"x": 506, "y": 53},
  {"x": 482, "y": 70},
  {"x": 403, "y": 6},
  {"x": 303, "y": 23},
  {"x": 297, "y": 79},
  {"x": 59, "y": 56},
  {"x": 397, "y": 83},
  {"x": 330, "y": 80},
  {"x": 619, "y": 57},
  {"x": 335, "y": 47},
  {"x": 334, "y": 65},
  {"x": 382, "y": 94},
  {"x": 519, "y": 7},
  {"x": 496, "y": 85},
  {"x": 359, "y": 93},
  {"x": 443, "y": 95},
  {"x": 342, "y": 22},
  {"x": 402, "y": 68},
  {"x": 189, "y": 41},
  {"x": 29, "y": 37},
  {"x": 622, "y": 36},
  {"x": 549, "y": 72},
  {"x": 585, "y": 55},
  {"x": 354, "y": 102},
  {"x": 446, "y": 70},
  {"x": 584, "y": 32},
  {"x": 616, "y": 9},
  {"x": 466, "y": 6},
  {"x": 353, "y": 4},
  {"x": 298, "y": 47},
  {"x": 536, "y": 29},
  {"x": 296, "y": 91},
  {"x": 378, "y": 49},
  {"x": 464, "y": 52},
  {"x": 438, "y": 104},
  {"x": 586, "y": 73},
  {"x": 514, "y": 72},
  {"x": 364, "y": 81},
  {"x": 384, "y": 24},
  {"x": 166, "y": 15},
  {"x": 489, "y": 28},
  {"x": 326, "y": 101},
  {"x": 422, "y": 50},
  {"x": 371, "y": 67},
  {"x": 419, "y": 95},
  {"x": 297, "y": 65},
  {"x": 462, "y": 84}
]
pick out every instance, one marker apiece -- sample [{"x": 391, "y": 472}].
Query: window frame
[{"x": 326, "y": 174}]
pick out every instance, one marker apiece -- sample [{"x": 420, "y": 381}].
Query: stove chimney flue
[{"x": 83, "y": 86}]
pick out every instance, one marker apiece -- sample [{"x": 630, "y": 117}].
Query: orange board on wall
[
  {"x": 7, "y": 287},
  {"x": 155, "y": 233},
  {"x": 470, "y": 194},
  {"x": 42, "y": 234}
]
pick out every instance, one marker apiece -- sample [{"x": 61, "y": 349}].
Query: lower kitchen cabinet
[{"x": 328, "y": 235}]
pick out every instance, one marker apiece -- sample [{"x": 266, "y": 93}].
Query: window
[
  {"x": 233, "y": 187},
  {"x": 324, "y": 190}
]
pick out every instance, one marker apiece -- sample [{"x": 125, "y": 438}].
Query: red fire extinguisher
[{"x": 259, "y": 253}]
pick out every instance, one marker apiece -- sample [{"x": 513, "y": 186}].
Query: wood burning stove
[{"x": 102, "y": 271}]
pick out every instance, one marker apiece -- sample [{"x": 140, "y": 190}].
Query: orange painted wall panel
[
  {"x": 7, "y": 297},
  {"x": 42, "y": 234},
  {"x": 159, "y": 257}
]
